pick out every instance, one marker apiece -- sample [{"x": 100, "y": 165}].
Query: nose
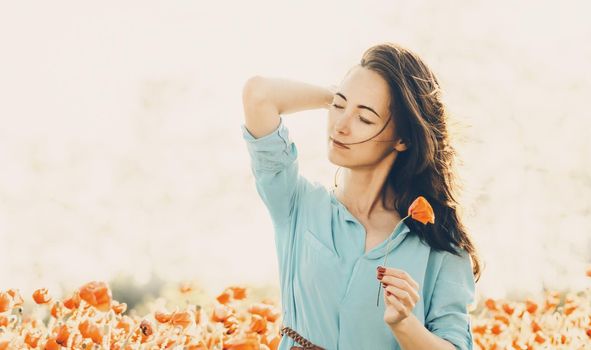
[{"x": 342, "y": 124}]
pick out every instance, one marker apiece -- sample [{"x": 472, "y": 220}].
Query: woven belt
[{"x": 300, "y": 340}]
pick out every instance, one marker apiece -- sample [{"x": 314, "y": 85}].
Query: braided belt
[{"x": 300, "y": 340}]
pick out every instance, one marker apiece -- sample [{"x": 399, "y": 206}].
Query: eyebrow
[{"x": 360, "y": 106}]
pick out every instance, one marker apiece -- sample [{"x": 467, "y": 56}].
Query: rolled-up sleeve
[
  {"x": 448, "y": 316},
  {"x": 275, "y": 168}
]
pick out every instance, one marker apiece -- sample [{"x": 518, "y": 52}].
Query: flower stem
[{"x": 386, "y": 256}]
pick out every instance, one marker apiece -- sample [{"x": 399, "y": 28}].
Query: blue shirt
[{"x": 328, "y": 283}]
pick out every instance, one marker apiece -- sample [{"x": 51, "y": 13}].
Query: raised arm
[
  {"x": 273, "y": 154},
  {"x": 265, "y": 98}
]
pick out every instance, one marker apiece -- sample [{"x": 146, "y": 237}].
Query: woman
[{"x": 387, "y": 133}]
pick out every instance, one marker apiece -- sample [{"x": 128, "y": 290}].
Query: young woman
[{"x": 387, "y": 133}]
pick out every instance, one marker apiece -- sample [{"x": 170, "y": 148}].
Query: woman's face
[{"x": 358, "y": 112}]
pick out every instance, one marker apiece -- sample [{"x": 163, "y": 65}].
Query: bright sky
[{"x": 121, "y": 147}]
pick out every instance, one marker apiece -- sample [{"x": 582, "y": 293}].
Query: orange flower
[
  {"x": 32, "y": 339},
  {"x": 41, "y": 297},
  {"x": 508, "y": 308},
  {"x": 57, "y": 310},
  {"x": 185, "y": 287},
  {"x": 62, "y": 335},
  {"x": 72, "y": 302},
  {"x": 540, "y": 338},
  {"x": 247, "y": 341},
  {"x": 5, "y": 302},
  {"x": 96, "y": 294},
  {"x": 421, "y": 210},
  {"x": 165, "y": 343},
  {"x": 239, "y": 292},
  {"x": 531, "y": 306},
  {"x": 221, "y": 313},
  {"x": 224, "y": 298},
  {"x": 91, "y": 330},
  {"x": 162, "y": 317},
  {"x": 16, "y": 297},
  {"x": 146, "y": 328},
  {"x": 258, "y": 324},
  {"x": 4, "y": 321},
  {"x": 182, "y": 318},
  {"x": 269, "y": 312},
  {"x": 51, "y": 344},
  {"x": 125, "y": 323},
  {"x": 490, "y": 304},
  {"x": 118, "y": 307}
]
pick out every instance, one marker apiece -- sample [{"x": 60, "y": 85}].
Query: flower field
[{"x": 90, "y": 318}]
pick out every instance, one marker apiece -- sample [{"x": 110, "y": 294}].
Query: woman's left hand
[{"x": 400, "y": 294}]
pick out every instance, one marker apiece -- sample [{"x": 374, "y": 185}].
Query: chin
[{"x": 335, "y": 159}]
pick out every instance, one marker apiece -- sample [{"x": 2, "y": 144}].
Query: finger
[
  {"x": 403, "y": 296},
  {"x": 397, "y": 304},
  {"x": 400, "y": 283},
  {"x": 391, "y": 271},
  {"x": 404, "y": 275}
]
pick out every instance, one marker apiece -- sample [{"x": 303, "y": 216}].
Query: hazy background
[{"x": 121, "y": 151}]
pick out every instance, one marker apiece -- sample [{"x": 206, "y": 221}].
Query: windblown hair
[{"x": 426, "y": 167}]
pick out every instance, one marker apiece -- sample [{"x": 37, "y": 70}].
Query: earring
[{"x": 335, "y": 176}]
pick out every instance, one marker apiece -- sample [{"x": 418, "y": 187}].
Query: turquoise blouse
[{"x": 328, "y": 283}]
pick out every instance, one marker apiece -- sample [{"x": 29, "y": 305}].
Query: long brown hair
[{"x": 426, "y": 167}]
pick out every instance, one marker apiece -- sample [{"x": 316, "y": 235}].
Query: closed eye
[{"x": 360, "y": 117}]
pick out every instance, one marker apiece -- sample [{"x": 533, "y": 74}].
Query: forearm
[
  {"x": 289, "y": 96},
  {"x": 411, "y": 334}
]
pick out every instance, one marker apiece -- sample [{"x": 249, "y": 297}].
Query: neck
[{"x": 360, "y": 190}]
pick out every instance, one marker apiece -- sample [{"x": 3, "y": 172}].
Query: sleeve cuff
[{"x": 272, "y": 152}]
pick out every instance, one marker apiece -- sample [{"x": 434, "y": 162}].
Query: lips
[{"x": 339, "y": 143}]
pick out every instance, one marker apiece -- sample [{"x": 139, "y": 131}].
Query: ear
[{"x": 401, "y": 145}]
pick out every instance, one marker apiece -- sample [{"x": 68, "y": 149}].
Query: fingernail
[
  {"x": 388, "y": 293},
  {"x": 384, "y": 284},
  {"x": 380, "y": 276},
  {"x": 381, "y": 269}
]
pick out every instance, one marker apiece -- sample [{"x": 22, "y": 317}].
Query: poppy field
[{"x": 90, "y": 318}]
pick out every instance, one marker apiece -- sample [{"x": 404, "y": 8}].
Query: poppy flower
[
  {"x": 32, "y": 339},
  {"x": 62, "y": 335},
  {"x": 5, "y": 302},
  {"x": 162, "y": 317},
  {"x": 4, "y": 321},
  {"x": 258, "y": 324},
  {"x": 57, "y": 310},
  {"x": 91, "y": 330},
  {"x": 125, "y": 324},
  {"x": 96, "y": 294},
  {"x": 224, "y": 298},
  {"x": 72, "y": 302},
  {"x": 41, "y": 297},
  {"x": 185, "y": 287},
  {"x": 118, "y": 307},
  {"x": 16, "y": 297},
  {"x": 51, "y": 344},
  {"x": 146, "y": 328},
  {"x": 421, "y": 210},
  {"x": 182, "y": 318},
  {"x": 239, "y": 292}
]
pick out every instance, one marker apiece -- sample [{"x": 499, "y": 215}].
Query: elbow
[{"x": 253, "y": 90}]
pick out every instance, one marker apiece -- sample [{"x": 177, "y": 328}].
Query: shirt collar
[{"x": 378, "y": 251}]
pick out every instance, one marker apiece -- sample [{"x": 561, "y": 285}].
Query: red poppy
[
  {"x": 97, "y": 294},
  {"x": 421, "y": 210},
  {"x": 41, "y": 297}
]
